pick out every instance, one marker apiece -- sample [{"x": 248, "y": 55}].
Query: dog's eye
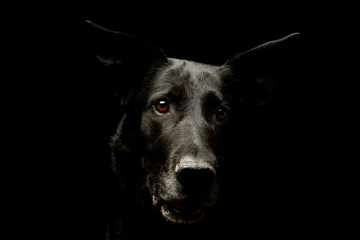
[
  {"x": 222, "y": 113},
  {"x": 162, "y": 105}
]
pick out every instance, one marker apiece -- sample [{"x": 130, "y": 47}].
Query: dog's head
[{"x": 178, "y": 115}]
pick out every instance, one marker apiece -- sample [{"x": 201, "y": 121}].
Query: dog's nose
[{"x": 193, "y": 172}]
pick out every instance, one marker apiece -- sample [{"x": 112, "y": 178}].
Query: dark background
[{"x": 70, "y": 111}]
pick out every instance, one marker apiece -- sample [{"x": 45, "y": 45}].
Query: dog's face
[
  {"x": 185, "y": 111},
  {"x": 181, "y": 111}
]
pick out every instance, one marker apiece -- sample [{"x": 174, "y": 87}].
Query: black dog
[{"x": 184, "y": 128}]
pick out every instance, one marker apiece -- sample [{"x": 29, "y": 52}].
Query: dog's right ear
[
  {"x": 116, "y": 48},
  {"x": 261, "y": 69}
]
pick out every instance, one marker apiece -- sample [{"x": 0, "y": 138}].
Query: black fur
[{"x": 186, "y": 132}]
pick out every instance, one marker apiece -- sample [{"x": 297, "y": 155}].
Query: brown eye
[
  {"x": 222, "y": 113},
  {"x": 162, "y": 105}
]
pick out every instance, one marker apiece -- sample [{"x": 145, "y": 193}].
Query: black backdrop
[{"x": 74, "y": 113}]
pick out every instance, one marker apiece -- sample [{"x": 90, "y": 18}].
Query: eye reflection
[
  {"x": 162, "y": 105},
  {"x": 222, "y": 113}
]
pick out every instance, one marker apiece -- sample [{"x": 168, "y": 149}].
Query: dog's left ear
[
  {"x": 259, "y": 70},
  {"x": 118, "y": 49}
]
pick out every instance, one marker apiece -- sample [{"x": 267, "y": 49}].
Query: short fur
[{"x": 177, "y": 171}]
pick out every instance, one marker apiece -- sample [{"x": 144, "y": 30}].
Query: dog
[{"x": 183, "y": 132}]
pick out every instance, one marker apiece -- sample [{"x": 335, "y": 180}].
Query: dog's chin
[{"x": 182, "y": 211}]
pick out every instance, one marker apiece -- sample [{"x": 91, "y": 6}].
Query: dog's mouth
[
  {"x": 185, "y": 211},
  {"x": 180, "y": 211},
  {"x": 182, "y": 206}
]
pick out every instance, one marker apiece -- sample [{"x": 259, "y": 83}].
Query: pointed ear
[
  {"x": 116, "y": 48},
  {"x": 260, "y": 69}
]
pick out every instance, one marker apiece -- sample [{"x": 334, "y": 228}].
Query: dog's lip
[
  {"x": 190, "y": 208},
  {"x": 182, "y": 211}
]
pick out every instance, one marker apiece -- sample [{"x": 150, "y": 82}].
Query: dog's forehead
[{"x": 188, "y": 73}]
